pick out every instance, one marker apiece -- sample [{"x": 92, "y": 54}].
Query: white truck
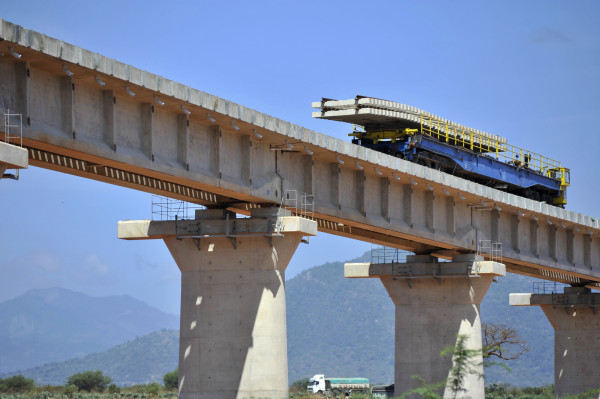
[{"x": 320, "y": 384}]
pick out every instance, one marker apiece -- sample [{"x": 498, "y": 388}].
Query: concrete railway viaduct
[{"x": 94, "y": 117}]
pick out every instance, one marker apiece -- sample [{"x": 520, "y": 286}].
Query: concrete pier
[
  {"x": 576, "y": 322},
  {"x": 12, "y": 157},
  {"x": 233, "y": 336},
  {"x": 435, "y": 303}
]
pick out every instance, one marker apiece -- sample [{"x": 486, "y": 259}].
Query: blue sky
[{"x": 526, "y": 70}]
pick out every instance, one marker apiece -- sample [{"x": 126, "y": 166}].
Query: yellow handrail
[{"x": 509, "y": 154}]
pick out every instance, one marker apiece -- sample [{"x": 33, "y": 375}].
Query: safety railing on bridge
[
  {"x": 548, "y": 287},
  {"x": 13, "y": 128},
  {"x": 165, "y": 208},
  {"x": 453, "y": 134},
  {"x": 562, "y": 300},
  {"x": 13, "y": 134},
  {"x": 301, "y": 204},
  {"x": 490, "y": 249},
  {"x": 381, "y": 254}
]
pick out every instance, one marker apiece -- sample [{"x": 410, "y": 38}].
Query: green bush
[
  {"x": 153, "y": 389},
  {"x": 113, "y": 388},
  {"x": 17, "y": 383},
  {"x": 90, "y": 381},
  {"x": 70, "y": 390},
  {"x": 299, "y": 386},
  {"x": 171, "y": 380},
  {"x": 593, "y": 394}
]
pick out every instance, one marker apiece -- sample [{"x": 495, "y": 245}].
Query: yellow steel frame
[
  {"x": 377, "y": 135},
  {"x": 357, "y": 129},
  {"x": 510, "y": 154},
  {"x": 457, "y": 135}
]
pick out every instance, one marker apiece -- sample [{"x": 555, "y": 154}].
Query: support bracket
[
  {"x": 197, "y": 242},
  {"x": 232, "y": 238}
]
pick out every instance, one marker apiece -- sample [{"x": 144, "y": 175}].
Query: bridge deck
[{"x": 91, "y": 116}]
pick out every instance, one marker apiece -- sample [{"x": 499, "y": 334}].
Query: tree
[
  {"x": 70, "y": 390},
  {"x": 462, "y": 360},
  {"x": 153, "y": 389},
  {"x": 17, "y": 383},
  {"x": 503, "y": 342},
  {"x": 171, "y": 380},
  {"x": 89, "y": 381},
  {"x": 299, "y": 386},
  {"x": 427, "y": 391}
]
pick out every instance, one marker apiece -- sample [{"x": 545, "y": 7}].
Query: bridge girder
[{"x": 91, "y": 116}]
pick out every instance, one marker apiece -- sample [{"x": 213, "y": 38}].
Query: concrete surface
[
  {"x": 144, "y": 229},
  {"x": 576, "y": 349},
  {"x": 375, "y": 110},
  {"x": 225, "y": 154},
  {"x": 575, "y": 317},
  {"x": 520, "y": 299},
  {"x": 419, "y": 270},
  {"x": 12, "y": 157},
  {"x": 431, "y": 312},
  {"x": 233, "y": 334}
]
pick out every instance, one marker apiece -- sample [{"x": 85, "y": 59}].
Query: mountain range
[
  {"x": 50, "y": 325},
  {"x": 336, "y": 327}
]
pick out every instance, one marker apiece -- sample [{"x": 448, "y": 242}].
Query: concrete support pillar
[
  {"x": 435, "y": 303},
  {"x": 576, "y": 322},
  {"x": 233, "y": 337}
]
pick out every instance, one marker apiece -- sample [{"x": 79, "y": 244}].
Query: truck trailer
[{"x": 320, "y": 384}]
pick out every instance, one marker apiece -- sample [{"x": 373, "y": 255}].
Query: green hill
[
  {"x": 345, "y": 327},
  {"x": 337, "y": 327},
  {"x": 140, "y": 361},
  {"x": 55, "y": 324},
  {"x": 536, "y": 367}
]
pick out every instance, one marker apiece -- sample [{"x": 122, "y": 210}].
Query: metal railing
[
  {"x": 490, "y": 249},
  {"x": 165, "y": 208},
  {"x": 302, "y": 205},
  {"x": 13, "y": 128},
  {"x": 461, "y": 136},
  {"x": 548, "y": 287},
  {"x": 381, "y": 254}
]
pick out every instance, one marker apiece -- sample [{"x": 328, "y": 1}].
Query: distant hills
[
  {"x": 345, "y": 327},
  {"x": 140, "y": 361},
  {"x": 339, "y": 327},
  {"x": 336, "y": 326},
  {"x": 50, "y": 325}
]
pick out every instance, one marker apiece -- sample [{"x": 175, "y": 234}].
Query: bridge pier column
[
  {"x": 576, "y": 322},
  {"x": 436, "y": 302},
  {"x": 233, "y": 335}
]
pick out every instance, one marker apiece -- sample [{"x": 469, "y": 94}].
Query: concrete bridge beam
[
  {"x": 576, "y": 322},
  {"x": 142, "y": 131},
  {"x": 233, "y": 335},
  {"x": 435, "y": 304}
]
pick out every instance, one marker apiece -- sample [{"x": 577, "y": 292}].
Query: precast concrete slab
[
  {"x": 575, "y": 317},
  {"x": 365, "y": 110}
]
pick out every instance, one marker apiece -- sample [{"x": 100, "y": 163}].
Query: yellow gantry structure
[{"x": 458, "y": 135}]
